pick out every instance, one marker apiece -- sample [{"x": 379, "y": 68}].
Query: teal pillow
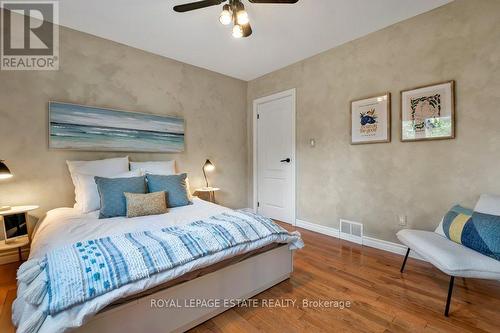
[
  {"x": 111, "y": 193},
  {"x": 174, "y": 185}
]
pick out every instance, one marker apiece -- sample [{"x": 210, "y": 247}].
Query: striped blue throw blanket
[{"x": 77, "y": 273}]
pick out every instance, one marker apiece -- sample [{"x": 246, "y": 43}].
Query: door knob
[{"x": 288, "y": 160}]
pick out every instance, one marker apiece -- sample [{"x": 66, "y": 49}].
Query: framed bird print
[
  {"x": 371, "y": 119},
  {"x": 428, "y": 113}
]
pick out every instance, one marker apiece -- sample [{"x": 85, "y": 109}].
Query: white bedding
[{"x": 64, "y": 226}]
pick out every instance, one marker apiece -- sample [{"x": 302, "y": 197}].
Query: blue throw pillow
[
  {"x": 111, "y": 193},
  {"x": 454, "y": 222},
  {"x": 483, "y": 234},
  {"x": 174, "y": 185},
  {"x": 480, "y": 232}
]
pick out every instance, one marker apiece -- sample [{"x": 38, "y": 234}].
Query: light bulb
[
  {"x": 237, "y": 31},
  {"x": 242, "y": 17},
  {"x": 225, "y": 17}
]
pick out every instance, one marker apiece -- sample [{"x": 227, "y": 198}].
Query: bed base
[{"x": 241, "y": 280}]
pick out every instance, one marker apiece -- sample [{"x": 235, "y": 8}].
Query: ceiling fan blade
[
  {"x": 197, "y": 5},
  {"x": 274, "y": 1},
  {"x": 247, "y": 30}
]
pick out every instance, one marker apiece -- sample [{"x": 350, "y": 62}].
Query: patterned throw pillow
[
  {"x": 480, "y": 232},
  {"x": 146, "y": 204},
  {"x": 454, "y": 222},
  {"x": 111, "y": 193},
  {"x": 175, "y": 185},
  {"x": 483, "y": 234}
]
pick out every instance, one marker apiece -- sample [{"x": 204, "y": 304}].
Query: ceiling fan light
[
  {"x": 225, "y": 17},
  {"x": 237, "y": 31},
  {"x": 242, "y": 17}
]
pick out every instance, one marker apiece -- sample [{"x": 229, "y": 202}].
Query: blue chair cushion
[
  {"x": 111, "y": 193},
  {"x": 478, "y": 231},
  {"x": 174, "y": 185}
]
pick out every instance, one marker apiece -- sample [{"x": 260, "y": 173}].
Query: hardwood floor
[
  {"x": 328, "y": 269},
  {"x": 8, "y": 288},
  {"x": 383, "y": 299}
]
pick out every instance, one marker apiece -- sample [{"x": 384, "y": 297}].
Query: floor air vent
[{"x": 351, "y": 231}]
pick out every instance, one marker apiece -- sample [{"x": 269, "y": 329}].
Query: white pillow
[
  {"x": 88, "y": 193},
  {"x": 102, "y": 168},
  {"x": 488, "y": 204},
  {"x": 440, "y": 230},
  {"x": 164, "y": 168}
]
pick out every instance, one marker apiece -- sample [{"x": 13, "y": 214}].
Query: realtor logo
[{"x": 29, "y": 35}]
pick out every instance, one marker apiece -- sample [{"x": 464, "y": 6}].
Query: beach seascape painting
[{"x": 79, "y": 127}]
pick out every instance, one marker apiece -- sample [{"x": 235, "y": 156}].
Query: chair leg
[
  {"x": 404, "y": 261},
  {"x": 448, "y": 300}
]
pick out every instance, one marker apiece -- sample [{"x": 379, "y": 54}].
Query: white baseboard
[
  {"x": 367, "y": 241},
  {"x": 7, "y": 257},
  {"x": 389, "y": 247},
  {"x": 329, "y": 231}
]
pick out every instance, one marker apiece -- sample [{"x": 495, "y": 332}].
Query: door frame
[{"x": 256, "y": 102}]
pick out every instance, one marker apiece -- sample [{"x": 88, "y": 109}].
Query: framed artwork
[
  {"x": 371, "y": 120},
  {"x": 428, "y": 113},
  {"x": 79, "y": 127}
]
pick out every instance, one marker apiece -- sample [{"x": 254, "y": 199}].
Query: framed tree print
[
  {"x": 371, "y": 120},
  {"x": 428, "y": 113}
]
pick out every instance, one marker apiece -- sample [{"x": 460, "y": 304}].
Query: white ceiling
[{"x": 282, "y": 34}]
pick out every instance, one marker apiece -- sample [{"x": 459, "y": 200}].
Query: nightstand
[
  {"x": 20, "y": 241},
  {"x": 210, "y": 191}
]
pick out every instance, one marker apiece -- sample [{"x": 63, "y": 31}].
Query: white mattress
[{"x": 67, "y": 225}]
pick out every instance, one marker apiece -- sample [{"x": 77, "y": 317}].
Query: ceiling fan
[{"x": 232, "y": 12}]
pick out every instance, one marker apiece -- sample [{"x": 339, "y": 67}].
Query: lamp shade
[
  {"x": 208, "y": 166},
  {"x": 4, "y": 171}
]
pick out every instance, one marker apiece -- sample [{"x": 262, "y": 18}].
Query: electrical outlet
[{"x": 402, "y": 220}]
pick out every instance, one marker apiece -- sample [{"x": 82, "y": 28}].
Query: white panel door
[{"x": 276, "y": 156}]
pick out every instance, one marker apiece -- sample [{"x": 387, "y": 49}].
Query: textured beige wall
[
  {"x": 375, "y": 183},
  {"x": 95, "y": 71}
]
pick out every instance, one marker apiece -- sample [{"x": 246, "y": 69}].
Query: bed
[{"x": 228, "y": 276}]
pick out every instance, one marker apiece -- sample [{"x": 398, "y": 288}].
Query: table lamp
[
  {"x": 4, "y": 174},
  {"x": 208, "y": 167}
]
